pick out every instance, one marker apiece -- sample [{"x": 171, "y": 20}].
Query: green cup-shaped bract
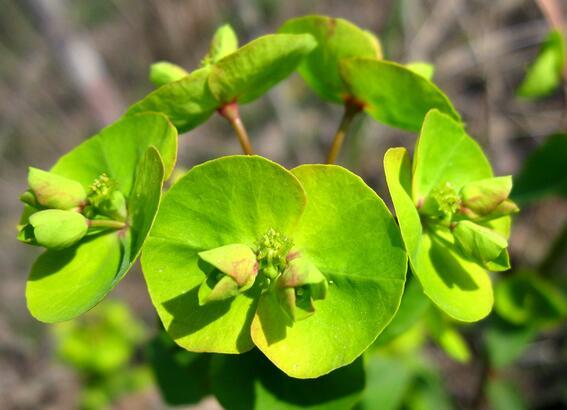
[
  {"x": 66, "y": 283},
  {"x": 58, "y": 229},
  {"x": 335, "y": 222},
  {"x": 337, "y": 39},
  {"x": 444, "y": 154},
  {"x": 299, "y": 285},
  {"x": 237, "y": 267},
  {"x": 484, "y": 196},
  {"x": 482, "y": 244},
  {"x": 164, "y": 72},
  {"x": 55, "y": 191}
]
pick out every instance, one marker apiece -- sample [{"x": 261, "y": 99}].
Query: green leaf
[
  {"x": 250, "y": 381},
  {"x": 425, "y": 70},
  {"x": 503, "y": 395},
  {"x": 383, "y": 88},
  {"x": 544, "y": 75},
  {"x": 224, "y": 42},
  {"x": 446, "y": 153},
  {"x": 506, "y": 342},
  {"x": 526, "y": 299},
  {"x": 224, "y": 201},
  {"x": 102, "y": 342},
  {"x": 459, "y": 287},
  {"x": 143, "y": 204},
  {"x": 187, "y": 102},
  {"x": 337, "y": 39},
  {"x": 65, "y": 284},
  {"x": 347, "y": 232},
  {"x": 180, "y": 375},
  {"x": 118, "y": 149},
  {"x": 428, "y": 391},
  {"x": 164, "y": 72},
  {"x": 250, "y": 72},
  {"x": 544, "y": 172},
  {"x": 413, "y": 307},
  {"x": 388, "y": 381},
  {"x": 447, "y": 336}
]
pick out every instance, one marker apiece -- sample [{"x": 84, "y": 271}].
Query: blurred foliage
[{"x": 102, "y": 347}]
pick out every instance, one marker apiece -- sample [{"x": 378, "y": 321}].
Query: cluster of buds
[
  {"x": 271, "y": 251},
  {"x": 105, "y": 199},
  {"x": 468, "y": 214},
  {"x": 295, "y": 281},
  {"x": 58, "y": 211}
]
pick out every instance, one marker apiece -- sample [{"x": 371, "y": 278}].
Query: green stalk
[
  {"x": 106, "y": 223},
  {"x": 351, "y": 109},
  {"x": 230, "y": 112}
]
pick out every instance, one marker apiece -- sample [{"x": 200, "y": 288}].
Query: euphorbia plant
[
  {"x": 92, "y": 211},
  {"x": 308, "y": 265},
  {"x": 295, "y": 260},
  {"x": 453, "y": 215}
]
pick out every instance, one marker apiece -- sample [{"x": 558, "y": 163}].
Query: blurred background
[{"x": 70, "y": 67}]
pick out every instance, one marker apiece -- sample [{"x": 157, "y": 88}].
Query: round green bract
[
  {"x": 224, "y": 201},
  {"x": 444, "y": 153},
  {"x": 67, "y": 283},
  {"x": 335, "y": 221},
  {"x": 348, "y": 233},
  {"x": 393, "y": 94},
  {"x": 337, "y": 39}
]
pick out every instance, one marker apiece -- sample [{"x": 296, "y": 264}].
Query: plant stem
[
  {"x": 351, "y": 109},
  {"x": 106, "y": 223},
  {"x": 230, "y": 112}
]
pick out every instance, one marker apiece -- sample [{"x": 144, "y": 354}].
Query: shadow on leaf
[{"x": 448, "y": 266}]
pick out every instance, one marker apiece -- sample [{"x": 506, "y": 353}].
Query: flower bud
[
  {"x": 300, "y": 284},
  {"x": 163, "y": 72},
  {"x": 483, "y": 245},
  {"x": 481, "y": 198},
  {"x": 236, "y": 270},
  {"x": 54, "y": 191},
  {"x": 54, "y": 229},
  {"x": 223, "y": 43}
]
